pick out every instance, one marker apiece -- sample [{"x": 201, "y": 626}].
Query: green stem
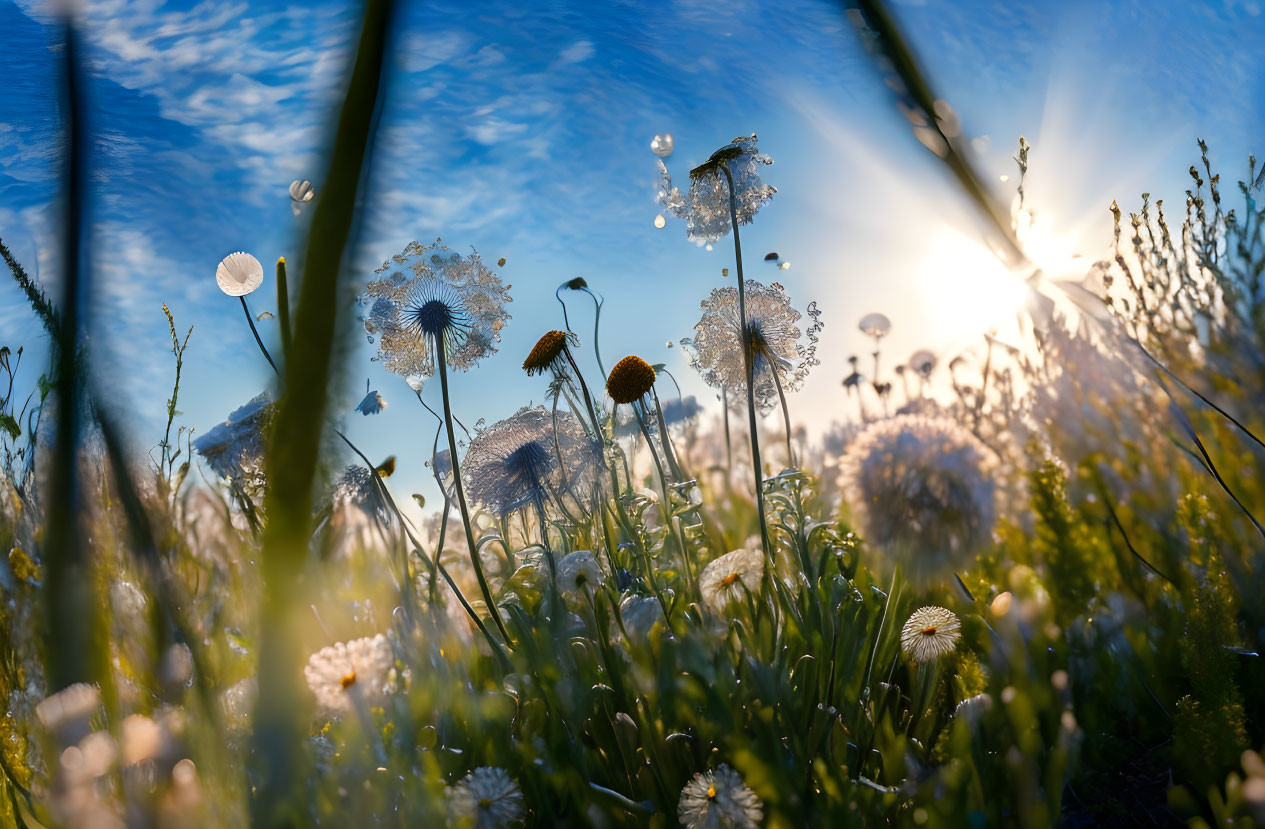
[
  {"x": 461, "y": 492},
  {"x": 251, "y": 322},
  {"x": 597, "y": 321},
  {"x": 746, "y": 363},
  {"x": 673, "y": 524}
]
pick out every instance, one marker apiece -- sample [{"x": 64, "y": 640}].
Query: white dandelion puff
[
  {"x": 239, "y": 274},
  {"x": 706, "y": 207},
  {"x": 719, "y": 798},
  {"x": 931, "y": 632},
  {"x": 729, "y": 578},
  {"x": 486, "y": 798}
]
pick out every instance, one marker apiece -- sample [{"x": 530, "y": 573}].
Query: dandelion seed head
[
  {"x": 485, "y": 798},
  {"x": 875, "y": 325},
  {"x": 921, "y": 488},
  {"x": 369, "y": 662},
  {"x": 630, "y": 380},
  {"x": 930, "y": 633},
  {"x": 520, "y": 461},
  {"x": 776, "y": 341},
  {"x": 579, "y": 572},
  {"x": 430, "y": 295},
  {"x": 706, "y": 207},
  {"x": 719, "y": 798},
  {"x": 728, "y": 579}
]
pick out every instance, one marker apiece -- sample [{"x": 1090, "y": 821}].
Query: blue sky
[{"x": 523, "y": 129}]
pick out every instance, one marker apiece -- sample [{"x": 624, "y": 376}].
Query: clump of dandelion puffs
[
  {"x": 921, "y": 488},
  {"x": 719, "y": 798},
  {"x": 428, "y": 295},
  {"x": 930, "y": 633},
  {"x": 234, "y": 449},
  {"x": 705, "y": 208},
  {"x": 782, "y": 354},
  {"x": 361, "y": 666},
  {"x": 486, "y": 798},
  {"x": 522, "y": 461},
  {"x": 728, "y": 579}
]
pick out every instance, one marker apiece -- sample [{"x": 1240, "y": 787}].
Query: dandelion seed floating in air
[
  {"x": 719, "y": 798},
  {"x": 931, "y": 632},
  {"x": 301, "y": 192}
]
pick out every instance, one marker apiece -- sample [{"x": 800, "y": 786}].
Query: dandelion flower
[
  {"x": 361, "y": 666},
  {"x": 923, "y": 362},
  {"x": 234, "y": 449},
  {"x": 639, "y": 614},
  {"x": 921, "y": 488},
  {"x": 719, "y": 798},
  {"x": 630, "y": 380},
  {"x": 931, "y": 632},
  {"x": 239, "y": 274},
  {"x": 486, "y": 798},
  {"x": 548, "y": 353},
  {"x": 729, "y": 578},
  {"x": 578, "y": 572},
  {"x": 706, "y": 207},
  {"x": 432, "y": 295},
  {"x": 521, "y": 461},
  {"x": 777, "y": 344},
  {"x": 356, "y": 489}
]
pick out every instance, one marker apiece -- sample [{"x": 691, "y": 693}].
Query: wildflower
[
  {"x": 922, "y": 488},
  {"x": 485, "y": 798},
  {"x": 731, "y": 577},
  {"x": 239, "y": 274},
  {"x": 719, "y": 798},
  {"x": 548, "y": 353},
  {"x": 639, "y": 614},
  {"x": 234, "y": 449},
  {"x": 630, "y": 380},
  {"x": 706, "y": 207},
  {"x": 679, "y": 410},
  {"x": 875, "y": 325},
  {"x": 923, "y": 362},
  {"x": 67, "y": 712},
  {"x": 430, "y": 297},
  {"x": 930, "y": 632},
  {"x": 361, "y": 666},
  {"x": 578, "y": 572},
  {"x": 775, "y": 341},
  {"x": 523, "y": 460}
]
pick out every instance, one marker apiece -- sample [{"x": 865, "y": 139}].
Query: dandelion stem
[
  {"x": 461, "y": 491},
  {"x": 746, "y": 362},
  {"x": 665, "y": 439},
  {"x": 666, "y": 505},
  {"x": 283, "y": 307},
  {"x": 251, "y": 322},
  {"x": 597, "y": 321},
  {"x": 786, "y": 416}
]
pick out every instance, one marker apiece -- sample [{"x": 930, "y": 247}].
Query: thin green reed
[
  {"x": 749, "y": 373},
  {"x": 292, "y": 457}
]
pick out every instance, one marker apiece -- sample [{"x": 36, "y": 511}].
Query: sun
[{"x": 965, "y": 286}]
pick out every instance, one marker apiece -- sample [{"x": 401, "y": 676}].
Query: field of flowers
[{"x": 1035, "y": 600}]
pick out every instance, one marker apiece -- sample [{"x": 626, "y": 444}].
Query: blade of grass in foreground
[
  {"x": 295, "y": 443},
  {"x": 72, "y": 652}
]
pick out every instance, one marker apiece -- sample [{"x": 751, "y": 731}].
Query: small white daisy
[{"x": 361, "y": 666}]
